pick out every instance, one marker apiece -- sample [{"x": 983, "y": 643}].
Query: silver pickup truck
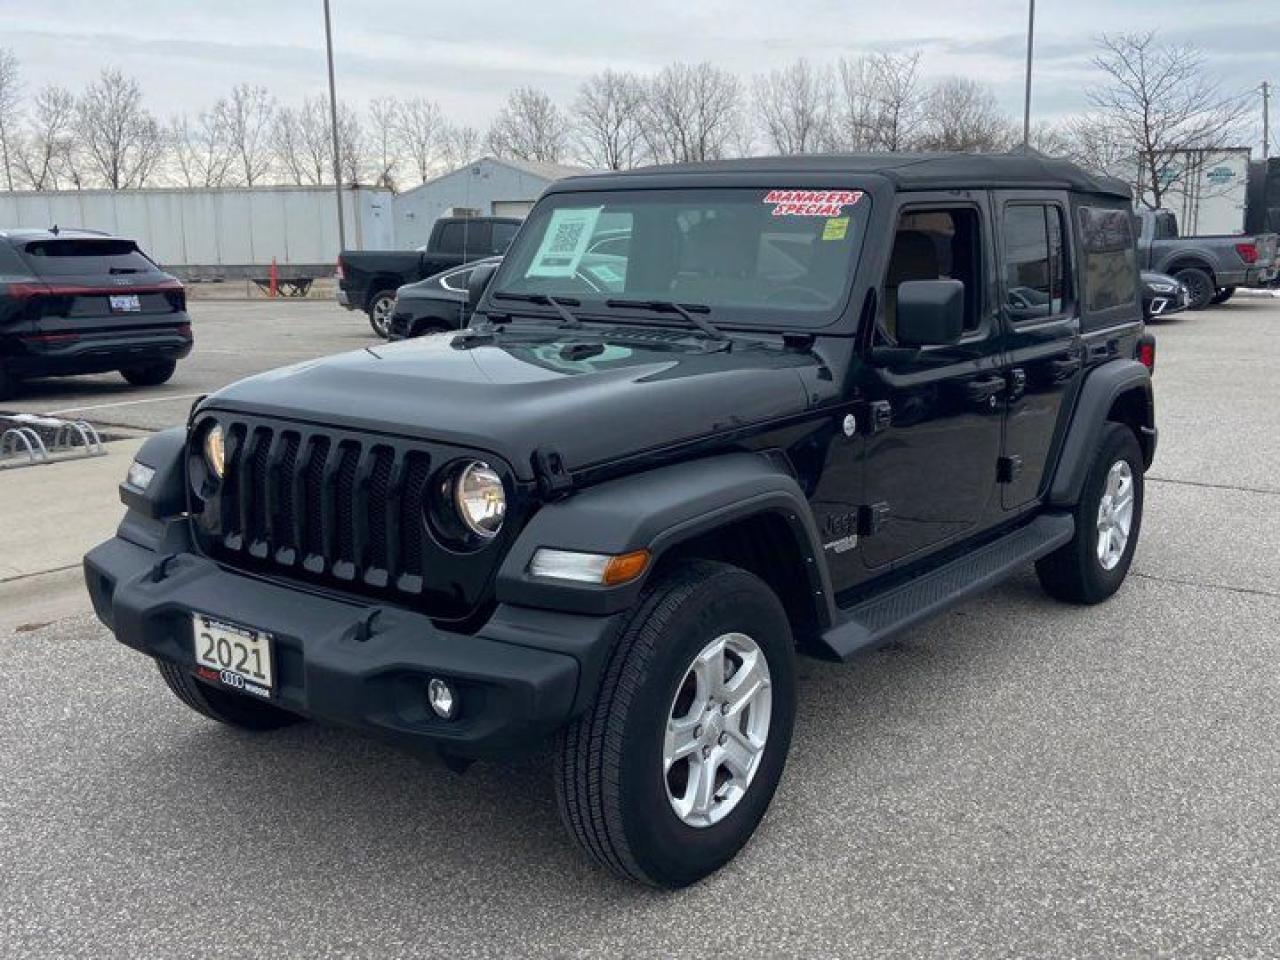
[{"x": 1211, "y": 266}]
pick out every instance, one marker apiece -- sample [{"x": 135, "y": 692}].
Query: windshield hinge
[{"x": 554, "y": 479}]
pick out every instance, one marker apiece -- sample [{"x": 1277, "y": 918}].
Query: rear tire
[
  {"x": 1200, "y": 285},
  {"x": 379, "y": 310},
  {"x": 233, "y": 709},
  {"x": 1223, "y": 295},
  {"x": 621, "y": 778},
  {"x": 151, "y": 374},
  {"x": 1088, "y": 570}
]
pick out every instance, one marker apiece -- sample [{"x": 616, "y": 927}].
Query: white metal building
[
  {"x": 233, "y": 232},
  {"x": 225, "y": 232},
  {"x": 486, "y": 187}
]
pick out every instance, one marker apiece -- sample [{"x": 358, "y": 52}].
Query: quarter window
[
  {"x": 1110, "y": 260},
  {"x": 1036, "y": 281}
]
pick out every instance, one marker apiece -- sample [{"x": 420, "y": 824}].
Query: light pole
[
  {"x": 333, "y": 129},
  {"x": 1026, "y": 103}
]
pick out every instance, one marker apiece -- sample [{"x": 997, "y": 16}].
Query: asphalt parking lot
[{"x": 1015, "y": 778}]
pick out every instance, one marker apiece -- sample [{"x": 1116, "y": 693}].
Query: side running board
[{"x": 873, "y": 622}]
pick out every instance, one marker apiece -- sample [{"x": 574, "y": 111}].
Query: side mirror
[
  {"x": 477, "y": 283},
  {"x": 930, "y": 312}
]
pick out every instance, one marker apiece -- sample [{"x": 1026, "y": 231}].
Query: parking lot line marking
[{"x": 124, "y": 403}]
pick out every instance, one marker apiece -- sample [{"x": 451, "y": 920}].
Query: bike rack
[{"x": 22, "y": 444}]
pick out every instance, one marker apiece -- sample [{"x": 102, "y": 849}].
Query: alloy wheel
[
  {"x": 717, "y": 729},
  {"x": 1115, "y": 514}
]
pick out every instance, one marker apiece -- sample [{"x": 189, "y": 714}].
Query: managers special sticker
[{"x": 811, "y": 203}]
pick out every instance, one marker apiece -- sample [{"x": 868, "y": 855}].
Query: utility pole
[
  {"x": 1266, "y": 120},
  {"x": 333, "y": 129},
  {"x": 1026, "y": 105}
]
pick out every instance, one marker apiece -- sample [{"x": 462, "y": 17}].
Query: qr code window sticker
[{"x": 565, "y": 240}]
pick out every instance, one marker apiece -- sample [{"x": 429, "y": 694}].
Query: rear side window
[
  {"x": 1036, "y": 283},
  {"x": 1110, "y": 261},
  {"x": 452, "y": 237},
  {"x": 81, "y": 256},
  {"x": 502, "y": 236}
]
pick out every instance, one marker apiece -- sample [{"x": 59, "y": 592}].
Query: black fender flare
[
  {"x": 656, "y": 510},
  {"x": 1098, "y": 394}
]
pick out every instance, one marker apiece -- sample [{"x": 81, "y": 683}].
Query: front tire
[
  {"x": 1200, "y": 285},
  {"x": 151, "y": 374},
  {"x": 667, "y": 775},
  {"x": 380, "y": 308},
  {"x": 233, "y": 709},
  {"x": 1091, "y": 567}
]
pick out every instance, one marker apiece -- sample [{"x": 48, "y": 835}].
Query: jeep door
[
  {"x": 937, "y": 411},
  {"x": 1043, "y": 348}
]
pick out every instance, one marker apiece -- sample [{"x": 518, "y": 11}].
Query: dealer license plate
[
  {"x": 126, "y": 303},
  {"x": 237, "y": 656}
]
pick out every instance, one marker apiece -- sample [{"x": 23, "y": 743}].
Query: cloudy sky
[{"x": 467, "y": 56}]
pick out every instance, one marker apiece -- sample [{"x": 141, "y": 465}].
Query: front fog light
[
  {"x": 442, "y": 699},
  {"x": 140, "y": 475},
  {"x": 602, "y": 568}
]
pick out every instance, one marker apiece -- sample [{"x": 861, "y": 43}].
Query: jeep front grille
[{"x": 338, "y": 508}]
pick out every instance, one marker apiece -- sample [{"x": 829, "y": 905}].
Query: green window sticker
[
  {"x": 565, "y": 241},
  {"x": 836, "y": 228}
]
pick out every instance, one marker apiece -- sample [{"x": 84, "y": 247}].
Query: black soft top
[{"x": 906, "y": 171}]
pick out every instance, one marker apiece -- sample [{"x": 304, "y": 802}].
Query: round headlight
[
  {"x": 479, "y": 498},
  {"x": 215, "y": 450}
]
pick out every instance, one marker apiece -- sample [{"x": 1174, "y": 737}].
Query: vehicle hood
[
  {"x": 428, "y": 289},
  {"x": 592, "y": 397}
]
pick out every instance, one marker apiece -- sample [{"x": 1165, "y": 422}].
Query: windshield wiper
[
  {"x": 684, "y": 311},
  {"x": 558, "y": 303}
]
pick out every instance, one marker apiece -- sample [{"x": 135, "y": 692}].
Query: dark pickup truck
[
  {"x": 803, "y": 404},
  {"x": 368, "y": 279},
  {"x": 1211, "y": 267}
]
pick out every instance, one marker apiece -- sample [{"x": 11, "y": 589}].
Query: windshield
[{"x": 749, "y": 255}]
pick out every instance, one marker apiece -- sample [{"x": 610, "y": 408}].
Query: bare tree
[
  {"x": 419, "y": 131},
  {"x": 607, "y": 120},
  {"x": 10, "y": 98},
  {"x": 795, "y": 104},
  {"x": 1159, "y": 99},
  {"x": 692, "y": 113},
  {"x": 384, "y": 121},
  {"x": 459, "y": 145},
  {"x": 46, "y": 158},
  {"x": 352, "y": 159},
  {"x": 246, "y": 117},
  {"x": 202, "y": 149},
  {"x": 962, "y": 115},
  {"x": 529, "y": 127},
  {"x": 1095, "y": 142},
  {"x": 880, "y": 104},
  {"x": 122, "y": 141}
]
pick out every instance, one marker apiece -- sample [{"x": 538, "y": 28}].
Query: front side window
[
  {"x": 936, "y": 244},
  {"x": 453, "y": 237},
  {"x": 502, "y": 235},
  {"x": 1110, "y": 260},
  {"x": 1036, "y": 281},
  {"x": 747, "y": 255}
]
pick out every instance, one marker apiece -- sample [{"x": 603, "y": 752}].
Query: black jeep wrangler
[{"x": 794, "y": 405}]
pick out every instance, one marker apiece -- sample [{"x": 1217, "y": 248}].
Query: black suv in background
[
  {"x": 705, "y": 418},
  {"x": 78, "y": 301}
]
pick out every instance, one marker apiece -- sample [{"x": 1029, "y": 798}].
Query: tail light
[
  {"x": 1248, "y": 252},
  {"x": 339, "y": 272},
  {"x": 1147, "y": 352}
]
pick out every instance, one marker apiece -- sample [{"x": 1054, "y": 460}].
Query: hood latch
[{"x": 554, "y": 479}]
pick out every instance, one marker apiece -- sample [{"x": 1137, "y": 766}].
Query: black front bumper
[{"x": 523, "y": 675}]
